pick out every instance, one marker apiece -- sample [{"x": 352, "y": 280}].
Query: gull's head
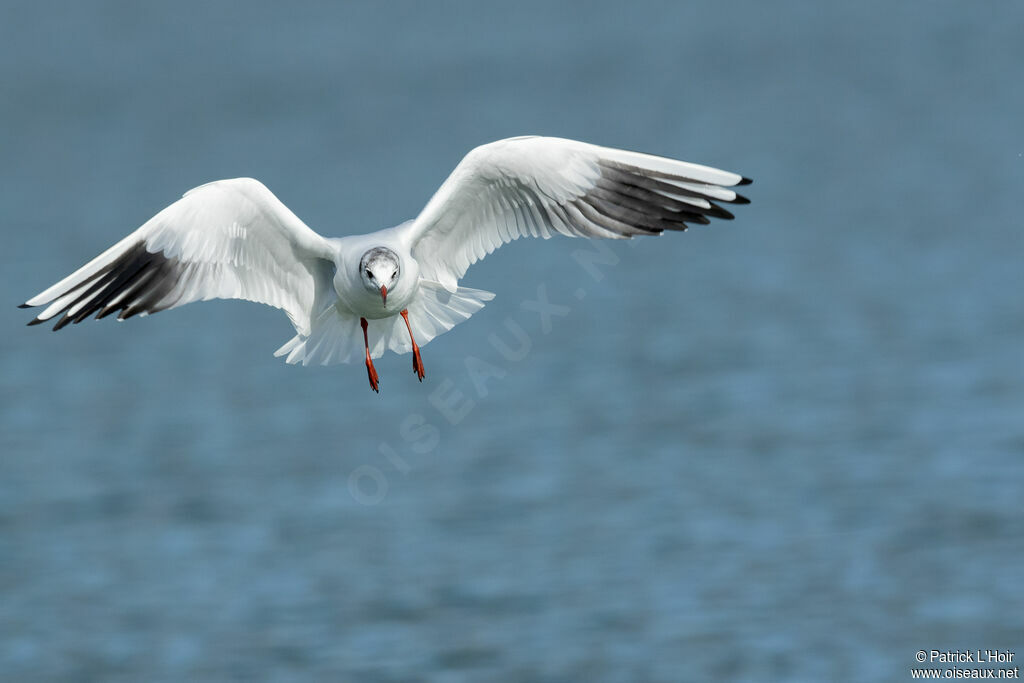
[{"x": 380, "y": 269}]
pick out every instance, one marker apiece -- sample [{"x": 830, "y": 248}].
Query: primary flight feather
[{"x": 355, "y": 297}]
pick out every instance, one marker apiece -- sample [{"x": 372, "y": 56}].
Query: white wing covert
[
  {"x": 230, "y": 239},
  {"x": 537, "y": 186}
]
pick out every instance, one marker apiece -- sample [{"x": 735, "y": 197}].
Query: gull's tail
[{"x": 336, "y": 336}]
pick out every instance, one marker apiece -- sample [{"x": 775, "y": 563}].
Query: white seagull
[{"x": 396, "y": 288}]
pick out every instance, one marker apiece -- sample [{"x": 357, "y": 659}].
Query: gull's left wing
[{"x": 537, "y": 186}]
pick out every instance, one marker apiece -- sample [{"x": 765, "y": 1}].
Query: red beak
[{"x": 384, "y": 294}]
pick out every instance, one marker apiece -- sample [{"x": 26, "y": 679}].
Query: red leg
[
  {"x": 417, "y": 361},
  {"x": 370, "y": 370}
]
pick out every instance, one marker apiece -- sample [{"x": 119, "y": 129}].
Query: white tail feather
[{"x": 336, "y": 336}]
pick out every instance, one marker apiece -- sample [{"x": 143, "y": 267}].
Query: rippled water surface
[{"x": 790, "y": 447}]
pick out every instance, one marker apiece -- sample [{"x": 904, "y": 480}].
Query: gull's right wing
[{"x": 229, "y": 239}]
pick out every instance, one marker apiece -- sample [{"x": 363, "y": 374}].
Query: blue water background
[{"x": 790, "y": 447}]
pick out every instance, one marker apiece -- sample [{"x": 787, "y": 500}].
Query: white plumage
[{"x": 233, "y": 239}]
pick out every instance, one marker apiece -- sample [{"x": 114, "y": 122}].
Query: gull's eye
[
  {"x": 394, "y": 274},
  {"x": 369, "y": 274}
]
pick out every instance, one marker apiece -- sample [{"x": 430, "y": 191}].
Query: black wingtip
[
  {"x": 740, "y": 199},
  {"x": 35, "y": 321},
  {"x": 745, "y": 181},
  {"x": 24, "y": 306},
  {"x": 718, "y": 212}
]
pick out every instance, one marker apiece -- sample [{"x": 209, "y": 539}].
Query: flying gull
[{"x": 355, "y": 297}]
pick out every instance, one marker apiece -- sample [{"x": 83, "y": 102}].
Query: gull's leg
[
  {"x": 417, "y": 361},
  {"x": 370, "y": 370}
]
